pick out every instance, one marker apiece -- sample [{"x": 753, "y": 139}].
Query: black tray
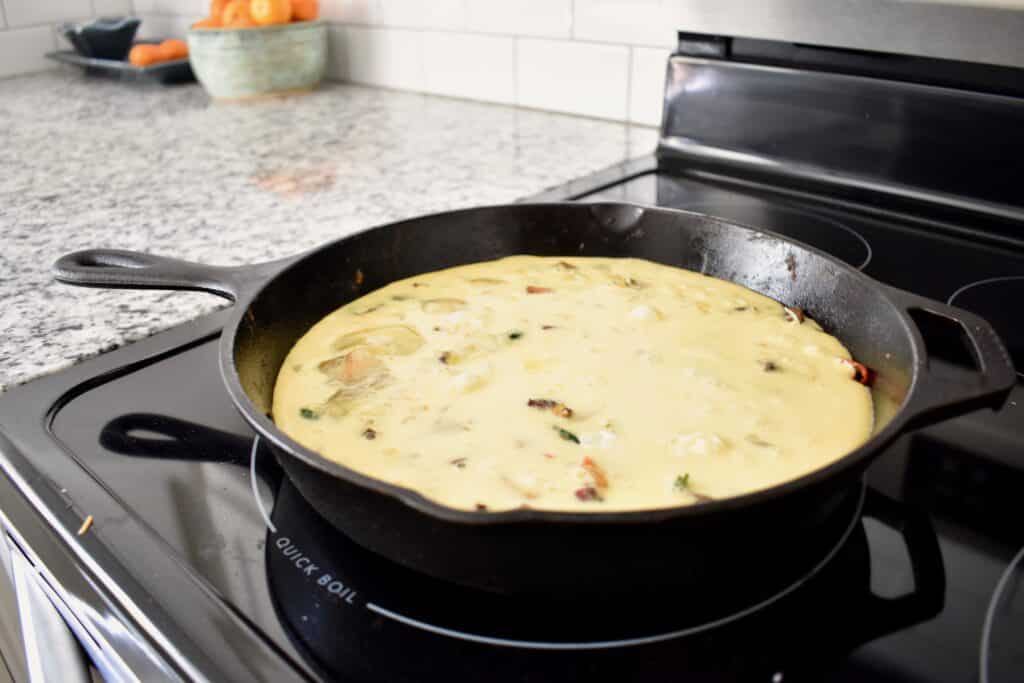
[{"x": 175, "y": 71}]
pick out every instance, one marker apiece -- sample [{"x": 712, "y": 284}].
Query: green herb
[
  {"x": 683, "y": 482},
  {"x": 566, "y": 434},
  {"x": 309, "y": 413},
  {"x": 400, "y": 297},
  {"x": 515, "y": 334}
]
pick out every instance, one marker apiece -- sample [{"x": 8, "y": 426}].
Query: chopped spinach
[{"x": 566, "y": 434}]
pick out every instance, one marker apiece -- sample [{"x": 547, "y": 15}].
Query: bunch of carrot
[
  {"x": 145, "y": 54},
  {"x": 250, "y": 13}
]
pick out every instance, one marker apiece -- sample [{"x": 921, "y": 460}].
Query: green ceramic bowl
[{"x": 247, "y": 63}]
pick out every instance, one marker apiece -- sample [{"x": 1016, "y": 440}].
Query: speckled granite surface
[{"x": 93, "y": 163}]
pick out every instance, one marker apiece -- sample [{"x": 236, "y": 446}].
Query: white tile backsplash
[
  {"x": 346, "y": 11},
  {"x": 544, "y": 18},
  {"x": 647, "y": 84},
  {"x": 386, "y": 57},
  {"x": 112, "y": 8},
  {"x": 398, "y": 13},
  {"x": 470, "y": 65},
  {"x": 578, "y": 78},
  {"x": 164, "y": 26},
  {"x": 446, "y": 14},
  {"x": 635, "y": 22},
  {"x": 189, "y": 8},
  {"x": 33, "y": 12},
  {"x": 440, "y": 14},
  {"x": 22, "y": 50}
]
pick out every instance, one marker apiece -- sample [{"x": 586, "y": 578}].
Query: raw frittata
[{"x": 590, "y": 384}]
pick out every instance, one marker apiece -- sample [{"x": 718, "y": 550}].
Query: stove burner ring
[
  {"x": 990, "y": 617},
  {"x": 255, "y": 487},
  {"x": 988, "y": 298},
  {"x": 643, "y": 640},
  {"x": 705, "y": 206}
]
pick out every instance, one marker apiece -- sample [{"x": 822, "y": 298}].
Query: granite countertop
[{"x": 96, "y": 163}]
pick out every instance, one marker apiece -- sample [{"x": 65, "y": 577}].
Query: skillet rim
[{"x": 281, "y": 442}]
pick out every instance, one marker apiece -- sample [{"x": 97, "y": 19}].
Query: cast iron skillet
[{"x": 530, "y": 550}]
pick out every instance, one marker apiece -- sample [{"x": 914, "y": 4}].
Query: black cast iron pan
[{"x": 530, "y": 550}]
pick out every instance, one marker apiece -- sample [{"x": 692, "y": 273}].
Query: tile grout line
[
  {"x": 629, "y": 85},
  {"x": 403, "y": 27},
  {"x": 515, "y": 71}
]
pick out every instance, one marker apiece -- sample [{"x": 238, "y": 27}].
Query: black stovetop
[{"x": 900, "y": 592}]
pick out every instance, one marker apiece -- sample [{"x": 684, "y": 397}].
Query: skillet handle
[
  {"x": 119, "y": 269},
  {"x": 942, "y": 391},
  {"x": 175, "y": 439}
]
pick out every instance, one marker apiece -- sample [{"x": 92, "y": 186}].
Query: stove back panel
[{"x": 956, "y": 146}]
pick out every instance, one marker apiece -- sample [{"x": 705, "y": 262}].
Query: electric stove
[{"x": 151, "y": 537}]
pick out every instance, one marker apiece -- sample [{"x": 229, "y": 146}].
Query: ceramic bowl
[{"x": 249, "y": 63}]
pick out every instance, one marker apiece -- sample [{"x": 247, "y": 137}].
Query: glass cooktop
[{"x": 902, "y": 588}]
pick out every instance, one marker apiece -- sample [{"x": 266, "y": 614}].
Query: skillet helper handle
[
  {"x": 173, "y": 439},
  {"x": 885, "y": 615},
  {"x": 944, "y": 390},
  {"x": 120, "y": 269}
]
